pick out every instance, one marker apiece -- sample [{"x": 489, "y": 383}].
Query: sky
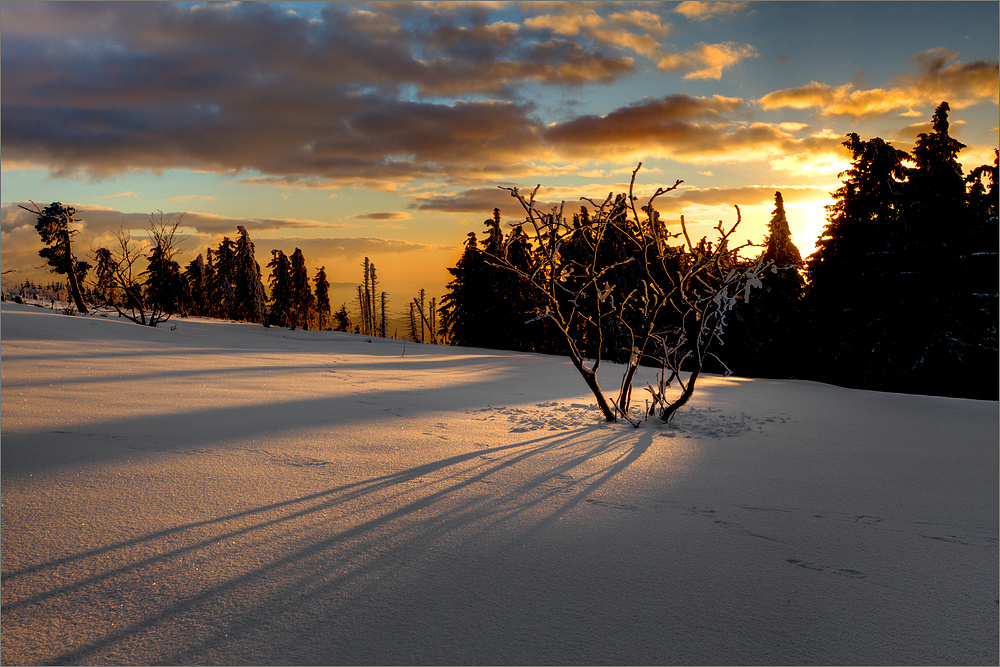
[{"x": 384, "y": 129}]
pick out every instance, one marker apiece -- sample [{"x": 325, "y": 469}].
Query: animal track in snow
[
  {"x": 552, "y": 416},
  {"x": 841, "y": 571}
]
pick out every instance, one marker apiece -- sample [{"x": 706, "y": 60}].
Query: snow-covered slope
[{"x": 206, "y": 492}]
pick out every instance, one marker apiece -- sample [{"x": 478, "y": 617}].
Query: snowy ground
[{"x": 206, "y": 492}]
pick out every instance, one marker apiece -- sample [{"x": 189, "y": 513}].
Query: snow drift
[{"x": 208, "y": 492}]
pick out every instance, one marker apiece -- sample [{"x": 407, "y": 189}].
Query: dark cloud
[
  {"x": 472, "y": 200},
  {"x": 480, "y": 201},
  {"x": 384, "y": 216},
  {"x": 136, "y": 86},
  {"x": 354, "y": 98}
]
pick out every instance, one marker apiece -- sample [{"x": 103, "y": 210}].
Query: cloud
[
  {"x": 480, "y": 201},
  {"x": 191, "y": 198},
  {"x": 941, "y": 76},
  {"x": 248, "y": 90},
  {"x": 703, "y": 11},
  {"x": 384, "y": 216},
  {"x": 707, "y": 61},
  {"x": 746, "y": 195},
  {"x": 685, "y": 128},
  {"x": 938, "y": 76}
]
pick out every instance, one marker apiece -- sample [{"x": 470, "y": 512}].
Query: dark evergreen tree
[
  {"x": 486, "y": 305},
  {"x": 343, "y": 318},
  {"x": 222, "y": 289},
  {"x": 212, "y": 308},
  {"x": 249, "y": 300},
  {"x": 301, "y": 295},
  {"x": 164, "y": 283},
  {"x": 280, "y": 313},
  {"x": 950, "y": 338},
  {"x": 902, "y": 289},
  {"x": 322, "y": 298},
  {"x": 766, "y": 330},
  {"x": 53, "y": 226},
  {"x": 460, "y": 306},
  {"x": 853, "y": 301},
  {"x": 104, "y": 291},
  {"x": 980, "y": 263},
  {"x": 195, "y": 274}
]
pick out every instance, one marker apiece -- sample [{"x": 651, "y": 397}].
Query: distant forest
[{"x": 901, "y": 294}]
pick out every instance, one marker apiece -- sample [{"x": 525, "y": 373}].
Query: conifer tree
[
  {"x": 280, "y": 313},
  {"x": 165, "y": 287},
  {"x": 766, "y": 340},
  {"x": 164, "y": 283},
  {"x": 222, "y": 289},
  {"x": 322, "y": 297},
  {"x": 893, "y": 290},
  {"x": 211, "y": 306},
  {"x": 853, "y": 298},
  {"x": 104, "y": 290},
  {"x": 53, "y": 226},
  {"x": 248, "y": 288},
  {"x": 196, "y": 277},
  {"x": 948, "y": 333},
  {"x": 343, "y": 318},
  {"x": 463, "y": 300},
  {"x": 301, "y": 295}
]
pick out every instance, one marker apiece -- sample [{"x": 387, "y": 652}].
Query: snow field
[{"x": 223, "y": 493}]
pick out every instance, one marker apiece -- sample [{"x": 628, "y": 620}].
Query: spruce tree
[
  {"x": 222, "y": 289},
  {"x": 280, "y": 281},
  {"x": 765, "y": 331},
  {"x": 853, "y": 300},
  {"x": 53, "y": 226},
  {"x": 949, "y": 334},
  {"x": 196, "y": 277},
  {"x": 211, "y": 307},
  {"x": 164, "y": 283},
  {"x": 301, "y": 295},
  {"x": 322, "y": 297},
  {"x": 343, "y": 318},
  {"x": 248, "y": 288},
  {"x": 104, "y": 290}
]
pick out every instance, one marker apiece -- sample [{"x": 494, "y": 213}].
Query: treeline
[
  {"x": 144, "y": 282},
  {"x": 901, "y": 294}
]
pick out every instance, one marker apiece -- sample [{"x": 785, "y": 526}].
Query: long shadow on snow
[
  {"x": 415, "y": 520},
  {"x": 130, "y": 437}
]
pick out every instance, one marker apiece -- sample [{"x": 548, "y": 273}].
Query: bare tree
[
  {"x": 671, "y": 313},
  {"x": 428, "y": 318},
  {"x": 129, "y": 283}
]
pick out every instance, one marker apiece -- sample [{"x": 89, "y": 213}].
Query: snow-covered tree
[
  {"x": 280, "y": 312},
  {"x": 250, "y": 301},
  {"x": 322, "y": 298},
  {"x": 301, "y": 295}
]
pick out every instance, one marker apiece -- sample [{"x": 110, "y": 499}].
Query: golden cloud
[
  {"x": 940, "y": 76},
  {"x": 707, "y": 61},
  {"x": 694, "y": 10}
]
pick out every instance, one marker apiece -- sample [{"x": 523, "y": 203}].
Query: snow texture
[{"x": 224, "y": 493}]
